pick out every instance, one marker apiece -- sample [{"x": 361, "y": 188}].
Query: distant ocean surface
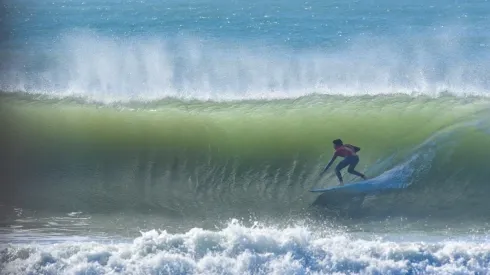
[{"x": 183, "y": 137}]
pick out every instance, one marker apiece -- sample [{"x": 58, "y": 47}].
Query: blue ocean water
[{"x": 92, "y": 81}]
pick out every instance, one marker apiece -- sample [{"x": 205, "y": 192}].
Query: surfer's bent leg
[
  {"x": 352, "y": 165},
  {"x": 344, "y": 163}
]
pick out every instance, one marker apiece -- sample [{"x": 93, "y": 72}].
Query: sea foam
[{"x": 238, "y": 249}]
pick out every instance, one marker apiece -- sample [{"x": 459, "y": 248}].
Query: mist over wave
[{"x": 107, "y": 69}]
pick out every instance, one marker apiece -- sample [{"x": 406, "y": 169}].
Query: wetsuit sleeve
[
  {"x": 357, "y": 149},
  {"x": 329, "y": 163}
]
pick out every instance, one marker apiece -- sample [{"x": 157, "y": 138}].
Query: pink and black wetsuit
[{"x": 351, "y": 159}]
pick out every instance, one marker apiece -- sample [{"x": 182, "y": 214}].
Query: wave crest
[{"x": 110, "y": 69}]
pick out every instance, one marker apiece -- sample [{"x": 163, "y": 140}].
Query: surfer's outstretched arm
[{"x": 329, "y": 164}]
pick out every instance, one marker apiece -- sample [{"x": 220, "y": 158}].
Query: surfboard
[{"x": 363, "y": 187}]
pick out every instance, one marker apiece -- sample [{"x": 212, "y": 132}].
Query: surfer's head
[{"x": 337, "y": 143}]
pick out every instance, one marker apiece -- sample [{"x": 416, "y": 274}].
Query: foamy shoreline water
[{"x": 237, "y": 249}]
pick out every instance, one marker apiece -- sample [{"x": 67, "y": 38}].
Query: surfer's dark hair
[{"x": 338, "y": 142}]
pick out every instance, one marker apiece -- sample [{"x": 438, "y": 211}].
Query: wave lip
[
  {"x": 248, "y": 250},
  {"x": 107, "y": 69}
]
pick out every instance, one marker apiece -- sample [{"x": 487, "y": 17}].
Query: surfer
[{"x": 351, "y": 159}]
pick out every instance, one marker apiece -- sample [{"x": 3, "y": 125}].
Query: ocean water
[{"x": 183, "y": 137}]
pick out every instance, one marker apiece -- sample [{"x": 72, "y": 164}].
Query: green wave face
[{"x": 225, "y": 158}]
